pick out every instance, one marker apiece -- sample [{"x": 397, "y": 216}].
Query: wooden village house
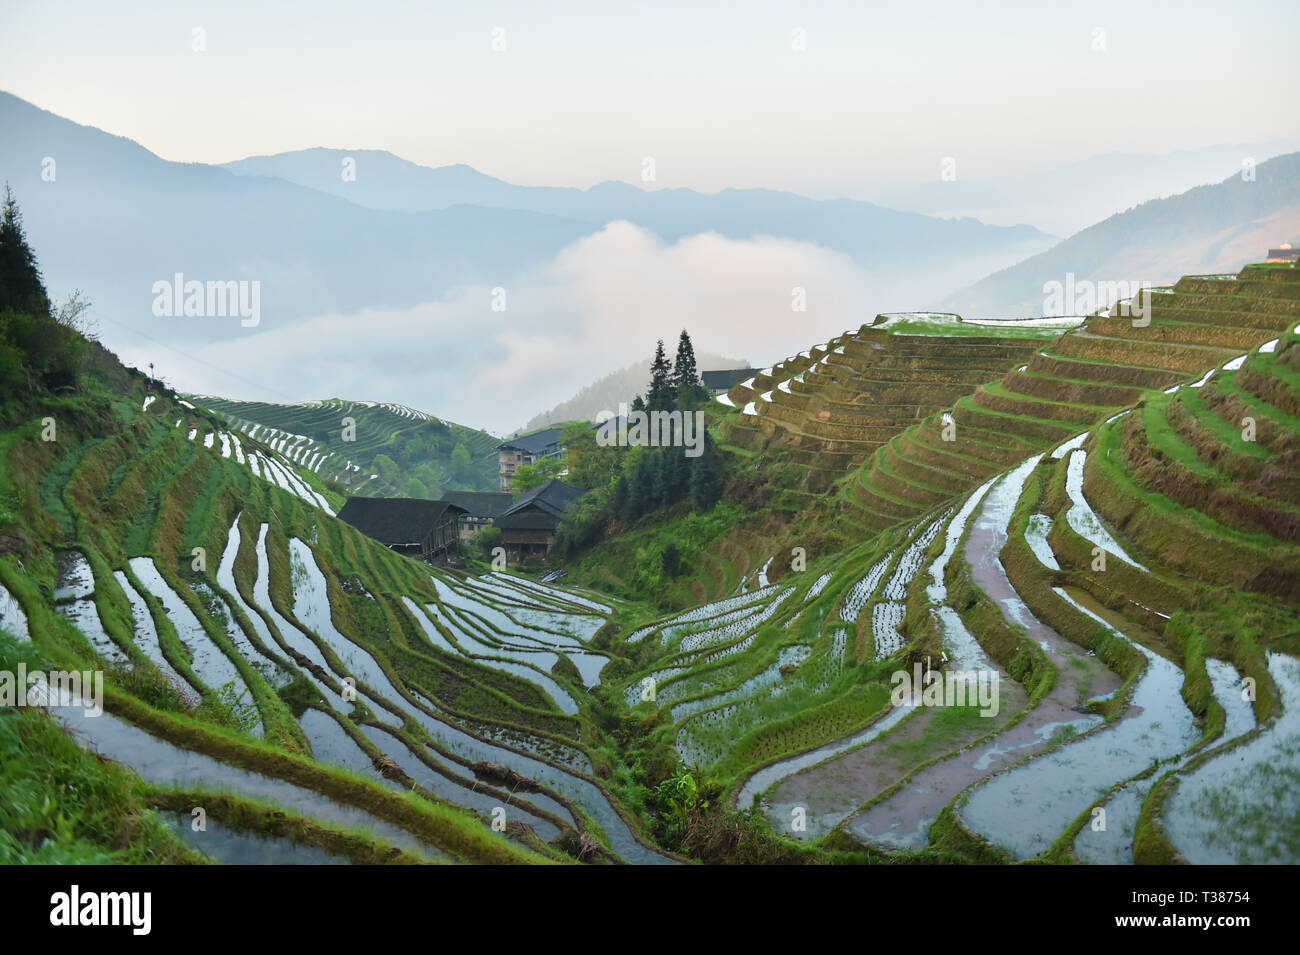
[
  {"x": 528, "y": 525},
  {"x": 429, "y": 530},
  {"x": 481, "y": 508}
]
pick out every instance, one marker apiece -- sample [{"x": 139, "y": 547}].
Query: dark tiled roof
[
  {"x": 395, "y": 520},
  {"x": 539, "y": 442},
  {"x": 543, "y": 506},
  {"x": 723, "y": 380},
  {"x": 553, "y": 497},
  {"x": 481, "y": 503},
  {"x": 528, "y": 521}
]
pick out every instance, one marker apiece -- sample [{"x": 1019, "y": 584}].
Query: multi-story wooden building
[{"x": 528, "y": 449}]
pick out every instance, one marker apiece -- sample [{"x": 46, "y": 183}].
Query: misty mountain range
[
  {"x": 115, "y": 218},
  {"x": 382, "y": 275},
  {"x": 1070, "y": 197},
  {"x": 1209, "y": 229},
  {"x": 872, "y": 235}
]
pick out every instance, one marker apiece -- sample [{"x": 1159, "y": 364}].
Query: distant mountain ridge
[
  {"x": 1209, "y": 229},
  {"x": 1081, "y": 192},
  {"x": 870, "y": 233},
  {"x": 116, "y": 218}
]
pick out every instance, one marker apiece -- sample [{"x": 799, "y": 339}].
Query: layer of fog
[{"x": 598, "y": 305}]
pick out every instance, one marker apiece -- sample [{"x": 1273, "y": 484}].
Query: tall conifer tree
[
  {"x": 21, "y": 287},
  {"x": 685, "y": 374},
  {"x": 660, "y": 396}
]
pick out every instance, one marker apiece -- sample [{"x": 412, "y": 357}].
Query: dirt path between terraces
[
  {"x": 903, "y": 819},
  {"x": 831, "y": 792}
]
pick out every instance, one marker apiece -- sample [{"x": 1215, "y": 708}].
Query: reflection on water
[
  {"x": 238, "y": 847},
  {"x": 1243, "y": 806},
  {"x": 1027, "y": 808}
]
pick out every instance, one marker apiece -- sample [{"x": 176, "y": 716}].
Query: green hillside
[
  {"x": 887, "y": 423},
  {"x": 243, "y": 660},
  {"x": 368, "y": 447},
  {"x": 1132, "y": 576},
  {"x": 1093, "y": 533},
  {"x": 1211, "y": 228},
  {"x": 262, "y": 659}
]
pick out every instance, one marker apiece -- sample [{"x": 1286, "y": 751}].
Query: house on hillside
[
  {"x": 528, "y": 525},
  {"x": 528, "y": 449},
  {"x": 481, "y": 508},
  {"x": 429, "y": 530},
  {"x": 1284, "y": 253},
  {"x": 720, "y": 382}
]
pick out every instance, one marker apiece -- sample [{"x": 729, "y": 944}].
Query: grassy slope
[
  {"x": 147, "y": 491},
  {"x": 93, "y": 492}
]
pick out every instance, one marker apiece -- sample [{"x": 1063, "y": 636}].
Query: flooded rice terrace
[{"x": 1021, "y": 781}]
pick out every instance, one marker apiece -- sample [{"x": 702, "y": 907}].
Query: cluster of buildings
[{"x": 434, "y": 530}]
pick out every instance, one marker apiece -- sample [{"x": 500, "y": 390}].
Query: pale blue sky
[{"x": 713, "y": 92}]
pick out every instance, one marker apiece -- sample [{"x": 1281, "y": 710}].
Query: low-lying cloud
[{"x": 598, "y": 305}]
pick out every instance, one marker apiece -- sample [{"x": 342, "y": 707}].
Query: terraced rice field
[
  {"x": 237, "y": 610},
  {"x": 1089, "y": 582},
  {"x": 1056, "y": 619},
  {"x": 311, "y": 436}
]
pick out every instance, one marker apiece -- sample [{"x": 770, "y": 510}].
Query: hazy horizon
[{"x": 871, "y": 99}]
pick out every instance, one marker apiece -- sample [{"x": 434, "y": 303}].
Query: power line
[{"x": 194, "y": 358}]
